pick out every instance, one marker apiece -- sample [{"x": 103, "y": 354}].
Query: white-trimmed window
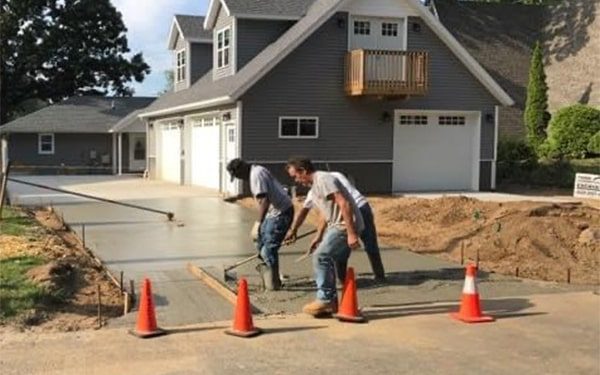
[
  {"x": 298, "y": 127},
  {"x": 389, "y": 29},
  {"x": 362, "y": 28},
  {"x": 452, "y": 120},
  {"x": 180, "y": 70},
  {"x": 413, "y": 120},
  {"x": 46, "y": 144},
  {"x": 223, "y": 47}
]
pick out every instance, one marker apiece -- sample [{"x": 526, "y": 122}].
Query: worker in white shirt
[{"x": 368, "y": 235}]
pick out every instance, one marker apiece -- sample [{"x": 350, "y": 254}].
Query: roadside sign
[{"x": 587, "y": 186}]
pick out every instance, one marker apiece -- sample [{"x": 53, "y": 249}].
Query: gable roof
[
  {"x": 206, "y": 92},
  {"x": 267, "y": 9},
  {"x": 80, "y": 114},
  {"x": 190, "y": 28}
]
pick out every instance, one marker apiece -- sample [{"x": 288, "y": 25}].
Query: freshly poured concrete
[{"x": 209, "y": 232}]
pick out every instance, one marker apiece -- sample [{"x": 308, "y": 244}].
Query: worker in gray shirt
[
  {"x": 276, "y": 213},
  {"x": 341, "y": 224},
  {"x": 368, "y": 236}
]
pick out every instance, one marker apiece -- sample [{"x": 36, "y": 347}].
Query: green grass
[
  {"x": 17, "y": 292},
  {"x": 14, "y": 223}
]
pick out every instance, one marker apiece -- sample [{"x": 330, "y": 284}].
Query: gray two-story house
[{"x": 378, "y": 89}]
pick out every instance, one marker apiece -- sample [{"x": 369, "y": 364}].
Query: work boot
[
  {"x": 269, "y": 276},
  {"x": 319, "y": 308},
  {"x": 340, "y": 270},
  {"x": 377, "y": 266}
]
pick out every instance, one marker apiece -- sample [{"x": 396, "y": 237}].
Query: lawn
[
  {"x": 17, "y": 293},
  {"x": 15, "y": 223}
]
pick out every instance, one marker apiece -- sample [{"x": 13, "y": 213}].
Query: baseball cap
[{"x": 233, "y": 166}]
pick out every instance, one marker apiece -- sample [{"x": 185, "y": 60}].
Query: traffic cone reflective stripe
[
  {"x": 348, "y": 310},
  {"x": 470, "y": 308},
  {"x": 242, "y": 321},
  {"x": 146, "y": 322}
]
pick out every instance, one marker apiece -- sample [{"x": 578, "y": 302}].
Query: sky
[{"x": 148, "y": 23}]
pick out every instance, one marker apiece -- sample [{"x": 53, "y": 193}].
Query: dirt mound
[
  {"x": 54, "y": 276},
  {"x": 543, "y": 240}
]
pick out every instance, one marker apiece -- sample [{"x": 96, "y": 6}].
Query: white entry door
[
  {"x": 170, "y": 153},
  {"x": 436, "y": 151},
  {"x": 229, "y": 153},
  {"x": 137, "y": 151},
  {"x": 206, "y": 153}
]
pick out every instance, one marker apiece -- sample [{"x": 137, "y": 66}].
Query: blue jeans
[
  {"x": 369, "y": 234},
  {"x": 271, "y": 234},
  {"x": 333, "y": 248}
]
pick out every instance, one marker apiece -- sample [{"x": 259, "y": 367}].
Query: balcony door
[{"x": 385, "y": 36}]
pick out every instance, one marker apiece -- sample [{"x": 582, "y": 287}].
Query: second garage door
[
  {"x": 436, "y": 151},
  {"x": 206, "y": 153},
  {"x": 170, "y": 153}
]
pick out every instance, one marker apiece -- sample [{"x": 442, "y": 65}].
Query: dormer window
[
  {"x": 223, "y": 47},
  {"x": 180, "y": 71}
]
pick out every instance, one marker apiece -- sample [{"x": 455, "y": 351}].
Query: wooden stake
[
  {"x": 132, "y": 291},
  {"x": 121, "y": 282},
  {"x": 462, "y": 253},
  {"x": 517, "y": 272},
  {"x": 99, "y": 308},
  {"x": 568, "y": 276},
  {"x": 477, "y": 259},
  {"x": 126, "y": 303},
  {"x": 82, "y": 235}
]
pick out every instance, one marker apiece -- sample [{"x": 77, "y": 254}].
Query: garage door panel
[
  {"x": 429, "y": 156},
  {"x": 170, "y": 154},
  {"x": 206, "y": 156}
]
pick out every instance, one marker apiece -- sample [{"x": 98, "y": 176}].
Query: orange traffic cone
[
  {"x": 348, "y": 311},
  {"x": 242, "y": 322},
  {"x": 146, "y": 322},
  {"x": 470, "y": 310}
]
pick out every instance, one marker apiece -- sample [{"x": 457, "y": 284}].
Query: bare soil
[
  {"x": 545, "y": 241},
  {"x": 69, "y": 268}
]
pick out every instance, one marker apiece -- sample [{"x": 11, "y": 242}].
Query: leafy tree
[
  {"x": 536, "y": 107},
  {"x": 53, "y": 49},
  {"x": 170, "y": 78}
]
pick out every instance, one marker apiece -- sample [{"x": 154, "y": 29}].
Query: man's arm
[
  {"x": 298, "y": 221},
  {"x": 263, "y": 207},
  {"x": 347, "y": 215}
]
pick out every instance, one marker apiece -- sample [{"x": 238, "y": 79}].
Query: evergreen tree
[{"x": 536, "y": 107}]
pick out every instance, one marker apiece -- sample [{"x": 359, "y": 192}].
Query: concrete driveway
[{"x": 206, "y": 231}]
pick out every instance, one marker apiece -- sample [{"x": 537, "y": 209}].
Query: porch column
[
  {"x": 120, "y": 154},
  {"x": 3, "y": 153},
  {"x": 114, "y": 153}
]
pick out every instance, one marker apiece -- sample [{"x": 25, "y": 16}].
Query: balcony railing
[{"x": 387, "y": 73}]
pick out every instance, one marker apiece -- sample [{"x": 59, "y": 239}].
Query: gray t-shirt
[
  {"x": 263, "y": 182},
  {"x": 324, "y": 185},
  {"x": 359, "y": 199}
]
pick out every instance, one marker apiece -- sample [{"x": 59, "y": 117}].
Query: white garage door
[
  {"x": 436, "y": 151},
  {"x": 206, "y": 153},
  {"x": 170, "y": 153}
]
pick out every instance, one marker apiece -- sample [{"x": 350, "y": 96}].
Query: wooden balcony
[{"x": 387, "y": 73}]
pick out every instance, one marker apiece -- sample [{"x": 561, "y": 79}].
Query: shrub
[
  {"x": 571, "y": 129},
  {"x": 594, "y": 144},
  {"x": 514, "y": 150}
]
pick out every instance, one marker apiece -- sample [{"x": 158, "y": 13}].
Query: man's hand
[
  {"x": 255, "y": 232},
  {"x": 290, "y": 238},
  {"x": 314, "y": 244},
  {"x": 353, "y": 241}
]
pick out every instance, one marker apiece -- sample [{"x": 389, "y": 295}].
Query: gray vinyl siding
[
  {"x": 310, "y": 82},
  {"x": 485, "y": 175},
  {"x": 201, "y": 60},
  {"x": 179, "y": 45},
  {"x": 222, "y": 22},
  {"x": 69, "y": 149},
  {"x": 451, "y": 85},
  {"x": 254, "y": 35}
]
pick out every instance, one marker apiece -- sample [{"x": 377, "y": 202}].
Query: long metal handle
[{"x": 169, "y": 215}]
